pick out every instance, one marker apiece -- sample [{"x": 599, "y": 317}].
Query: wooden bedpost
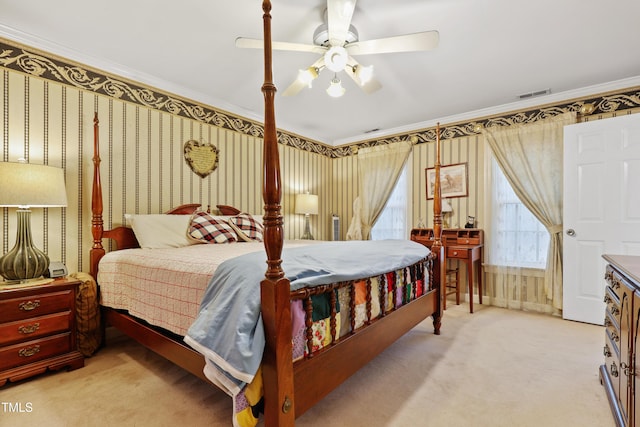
[
  {"x": 437, "y": 248},
  {"x": 97, "y": 224},
  {"x": 277, "y": 361}
]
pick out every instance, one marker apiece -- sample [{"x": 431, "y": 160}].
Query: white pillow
[{"x": 155, "y": 231}]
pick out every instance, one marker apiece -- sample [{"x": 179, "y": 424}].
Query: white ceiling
[{"x": 490, "y": 52}]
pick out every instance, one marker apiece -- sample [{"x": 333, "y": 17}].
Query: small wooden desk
[{"x": 463, "y": 244}]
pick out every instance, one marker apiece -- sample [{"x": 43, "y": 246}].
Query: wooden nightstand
[{"x": 38, "y": 329}]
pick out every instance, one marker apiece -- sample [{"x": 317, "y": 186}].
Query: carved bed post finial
[
  {"x": 271, "y": 191},
  {"x": 97, "y": 224},
  {"x": 275, "y": 290},
  {"x": 437, "y": 196},
  {"x": 436, "y": 248}
]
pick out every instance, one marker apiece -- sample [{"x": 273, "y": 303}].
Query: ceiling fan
[{"x": 336, "y": 42}]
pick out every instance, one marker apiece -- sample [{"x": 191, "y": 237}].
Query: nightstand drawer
[
  {"x": 36, "y": 327},
  {"x": 468, "y": 240},
  {"x": 453, "y": 252},
  {"x": 35, "y": 305},
  {"x": 34, "y": 350}
]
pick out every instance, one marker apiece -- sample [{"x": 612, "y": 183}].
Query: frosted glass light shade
[{"x": 335, "y": 89}]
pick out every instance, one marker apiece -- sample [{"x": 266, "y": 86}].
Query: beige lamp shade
[
  {"x": 30, "y": 185},
  {"x": 446, "y": 206},
  {"x": 307, "y": 204}
]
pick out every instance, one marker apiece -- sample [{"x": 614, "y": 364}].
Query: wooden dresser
[
  {"x": 462, "y": 244},
  {"x": 618, "y": 373},
  {"x": 38, "y": 329}
]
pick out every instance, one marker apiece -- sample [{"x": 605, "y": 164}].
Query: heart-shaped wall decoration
[{"x": 201, "y": 157}]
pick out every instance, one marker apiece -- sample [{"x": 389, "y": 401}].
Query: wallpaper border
[
  {"x": 618, "y": 101},
  {"x": 31, "y": 61},
  {"x": 17, "y": 57}
]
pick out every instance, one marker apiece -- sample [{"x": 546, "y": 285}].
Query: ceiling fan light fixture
[
  {"x": 335, "y": 89},
  {"x": 308, "y": 76},
  {"x": 336, "y": 58},
  {"x": 363, "y": 73}
]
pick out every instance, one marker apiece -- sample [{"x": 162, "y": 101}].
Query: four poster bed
[{"x": 316, "y": 332}]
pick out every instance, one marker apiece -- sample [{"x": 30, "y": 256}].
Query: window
[
  {"x": 392, "y": 222},
  {"x": 517, "y": 238}
]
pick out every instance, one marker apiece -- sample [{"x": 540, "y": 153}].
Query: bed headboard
[{"x": 123, "y": 236}]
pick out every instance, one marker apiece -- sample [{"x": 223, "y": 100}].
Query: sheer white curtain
[
  {"x": 392, "y": 222},
  {"x": 531, "y": 158},
  {"x": 378, "y": 171}
]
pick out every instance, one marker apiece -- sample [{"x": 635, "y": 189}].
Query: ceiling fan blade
[
  {"x": 339, "y": 14},
  {"x": 369, "y": 86},
  {"x": 294, "y": 88},
  {"x": 244, "y": 42},
  {"x": 425, "y": 40},
  {"x": 297, "y": 85}
]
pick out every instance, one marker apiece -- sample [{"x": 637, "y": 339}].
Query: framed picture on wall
[{"x": 453, "y": 181}]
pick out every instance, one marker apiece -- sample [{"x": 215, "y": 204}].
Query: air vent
[{"x": 536, "y": 93}]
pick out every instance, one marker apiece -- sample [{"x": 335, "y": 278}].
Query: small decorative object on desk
[{"x": 471, "y": 222}]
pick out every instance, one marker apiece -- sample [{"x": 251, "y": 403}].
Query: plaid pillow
[
  {"x": 247, "y": 228},
  {"x": 207, "y": 229}
]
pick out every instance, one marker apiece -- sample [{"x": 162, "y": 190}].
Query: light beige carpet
[{"x": 491, "y": 368}]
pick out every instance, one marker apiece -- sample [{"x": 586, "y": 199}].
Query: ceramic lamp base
[{"x": 24, "y": 261}]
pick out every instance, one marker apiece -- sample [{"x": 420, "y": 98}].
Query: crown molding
[{"x": 553, "y": 98}]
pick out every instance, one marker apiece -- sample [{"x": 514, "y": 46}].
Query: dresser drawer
[
  {"x": 612, "y": 363},
  {"x": 614, "y": 280},
  {"x": 453, "y": 252},
  {"x": 36, "y": 327},
  {"x": 613, "y": 304},
  {"x": 613, "y": 340},
  {"x": 35, "y": 305},
  {"x": 34, "y": 350}
]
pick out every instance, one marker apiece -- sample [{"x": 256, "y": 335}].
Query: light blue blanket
[{"x": 228, "y": 330}]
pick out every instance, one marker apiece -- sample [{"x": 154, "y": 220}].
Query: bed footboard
[{"x": 378, "y": 311}]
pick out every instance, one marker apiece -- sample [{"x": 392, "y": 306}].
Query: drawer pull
[
  {"x": 615, "y": 310},
  {"x": 607, "y": 322},
  {"x": 614, "y": 369},
  {"x": 615, "y": 336},
  {"x": 626, "y": 369},
  {"x": 607, "y": 299},
  {"x": 29, "y": 329},
  {"x": 455, "y": 253},
  {"x": 29, "y": 305},
  {"x": 607, "y": 352},
  {"x": 30, "y": 351}
]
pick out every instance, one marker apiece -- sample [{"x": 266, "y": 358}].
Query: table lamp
[
  {"x": 307, "y": 204},
  {"x": 446, "y": 209},
  {"x": 24, "y": 185}
]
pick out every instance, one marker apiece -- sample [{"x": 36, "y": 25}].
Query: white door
[{"x": 601, "y": 208}]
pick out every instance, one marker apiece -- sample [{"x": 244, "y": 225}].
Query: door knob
[{"x": 571, "y": 232}]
